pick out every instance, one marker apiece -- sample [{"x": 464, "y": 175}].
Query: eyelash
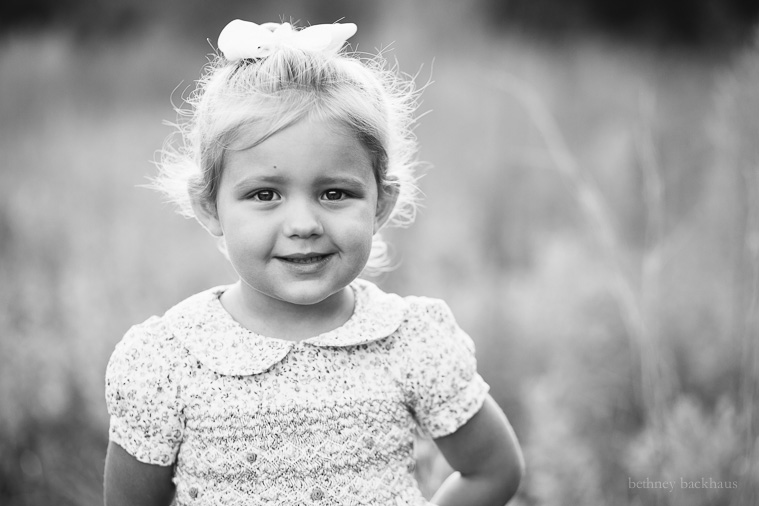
[
  {"x": 257, "y": 195},
  {"x": 343, "y": 195}
]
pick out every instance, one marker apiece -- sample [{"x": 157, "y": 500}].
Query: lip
[
  {"x": 305, "y": 263},
  {"x": 301, "y": 256}
]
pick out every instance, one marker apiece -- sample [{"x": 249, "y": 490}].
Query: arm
[
  {"x": 129, "y": 482},
  {"x": 486, "y": 455},
  {"x": 146, "y": 425}
]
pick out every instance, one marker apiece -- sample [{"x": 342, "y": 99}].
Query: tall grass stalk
[
  {"x": 750, "y": 330},
  {"x": 636, "y": 304}
]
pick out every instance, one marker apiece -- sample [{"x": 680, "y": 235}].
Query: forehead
[{"x": 308, "y": 147}]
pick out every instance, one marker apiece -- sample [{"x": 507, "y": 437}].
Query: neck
[{"x": 283, "y": 320}]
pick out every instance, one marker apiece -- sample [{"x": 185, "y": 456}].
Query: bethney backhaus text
[{"x": 703, "y": 483}]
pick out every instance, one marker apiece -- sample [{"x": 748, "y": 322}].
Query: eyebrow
[
  {"x": 270, "y": 179},
  {"x": 345, "y": 180}
]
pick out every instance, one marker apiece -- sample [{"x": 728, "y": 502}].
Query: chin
[
  {"x": 307, "y": 296},
  {"x": 305, "y": 299}
]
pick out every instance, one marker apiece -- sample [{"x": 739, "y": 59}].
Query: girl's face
[{"x": 298, "y": 212}]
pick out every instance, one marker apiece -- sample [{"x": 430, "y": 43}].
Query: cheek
[
  {"x": 244, "y": 234},
  {"x": 357, "y": 231}
]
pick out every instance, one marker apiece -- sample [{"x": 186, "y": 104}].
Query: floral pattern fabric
[{"x": 249, "y": 419}]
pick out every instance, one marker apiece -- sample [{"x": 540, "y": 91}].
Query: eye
[
  {"x": 334, "y": 195},
  {"x": 264, "y": 195}
]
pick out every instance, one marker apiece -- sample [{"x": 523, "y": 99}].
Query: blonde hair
[{"x": 276, "y": 91}]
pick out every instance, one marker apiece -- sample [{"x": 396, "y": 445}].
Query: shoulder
[
  {"x": 411, "y": 319},
  {"x": 428, "y": 310},
  {"x": 387, "y": 313},
  {"x": 156, "y": 343},
  {"x": 412, "y": 307},
  {"x": 430, "y": 322},
  {"x": 144, "y": 343}
]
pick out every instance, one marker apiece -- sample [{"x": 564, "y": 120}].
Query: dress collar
[{"x": 220, "y": 343}]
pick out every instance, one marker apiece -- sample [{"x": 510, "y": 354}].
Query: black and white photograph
[{"x": 389, "y": 253}]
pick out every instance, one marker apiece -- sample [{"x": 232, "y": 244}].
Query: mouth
[{"x": 304, "y": 258}]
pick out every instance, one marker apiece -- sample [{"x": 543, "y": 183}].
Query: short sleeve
[
  {"x": 443, "y": 387},
  {"x": 141, "y": 395}
]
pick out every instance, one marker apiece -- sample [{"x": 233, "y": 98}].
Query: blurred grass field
[{"x": 591, "y": 216}]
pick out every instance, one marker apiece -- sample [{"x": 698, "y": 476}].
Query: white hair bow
[{"x": 243, "y": 39}]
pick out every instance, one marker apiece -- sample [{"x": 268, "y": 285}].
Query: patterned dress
[{"x": 252, "y": 420}]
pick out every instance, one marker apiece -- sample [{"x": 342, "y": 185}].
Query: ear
[
  {"x": 207, "y": 216},
  {"x": 386, "y": 199}
]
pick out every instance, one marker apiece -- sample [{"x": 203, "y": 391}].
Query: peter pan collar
[{"x": 220, "y": 343}]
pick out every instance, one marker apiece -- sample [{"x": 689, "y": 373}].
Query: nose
[{"x": 302, "y": 220}]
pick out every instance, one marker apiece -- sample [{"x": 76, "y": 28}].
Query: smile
[
  {"x": 304, "y": 260},
  {"x": 306, "y": 263}
]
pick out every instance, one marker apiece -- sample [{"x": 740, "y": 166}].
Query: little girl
[{"x": 300, "y": 383}]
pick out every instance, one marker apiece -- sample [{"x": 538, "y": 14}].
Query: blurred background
[{"x": 591, "y": 215}]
